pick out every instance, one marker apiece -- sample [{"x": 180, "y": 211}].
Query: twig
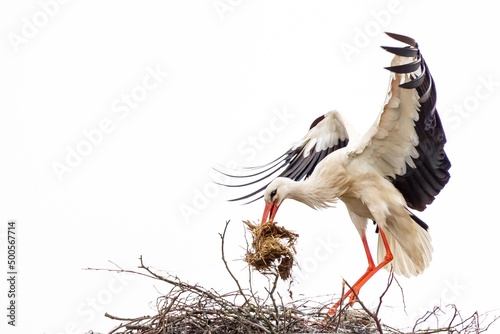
[
  {"x": 107, "y": 315},
  {"x": 375, "y": 318},
  {"x": 402, "y": 294},
  {"x": 389, "y": 282},
  {"x": 341, "y": 304},
  {"x": 270, "y": 294},
  {"x": 222, "y": 237}
]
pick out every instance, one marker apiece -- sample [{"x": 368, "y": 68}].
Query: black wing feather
[
  {"x": 420, "y": 185},
  {"x": 293, "y": 164}
]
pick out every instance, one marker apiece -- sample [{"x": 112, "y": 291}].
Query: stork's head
[{"x": 276, "y": 192}]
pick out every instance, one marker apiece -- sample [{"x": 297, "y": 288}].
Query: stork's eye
[{"x": 273, "y": 193}]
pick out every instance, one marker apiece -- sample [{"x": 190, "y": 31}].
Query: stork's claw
[{"x": 352, "y": 299}]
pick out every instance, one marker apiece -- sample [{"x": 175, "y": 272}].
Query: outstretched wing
[
  {"x": 406, "y": 143},
  {"x": 326, "y": 135}
]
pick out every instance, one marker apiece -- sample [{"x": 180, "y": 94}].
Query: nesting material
[{"x": 272, "y": 246}]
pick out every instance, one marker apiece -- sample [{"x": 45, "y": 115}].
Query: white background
[{"x": 145, "y": 187}]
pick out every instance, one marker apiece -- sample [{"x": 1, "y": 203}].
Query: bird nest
[
  {"x": 272, "y": 248},
  {"x": 192, "y": 308}
]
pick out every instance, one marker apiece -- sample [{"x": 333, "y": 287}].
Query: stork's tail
[{"x": 410, "y": 244}]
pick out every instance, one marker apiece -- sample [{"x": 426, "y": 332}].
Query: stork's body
[
  {"x": 398, "y": 165},
  {"x": 367, "y": 196}
]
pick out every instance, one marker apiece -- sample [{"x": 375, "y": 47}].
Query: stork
[{"x": 397, "y": 166}]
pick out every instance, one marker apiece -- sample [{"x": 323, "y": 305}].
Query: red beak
[{"x": 269, "y": 212}]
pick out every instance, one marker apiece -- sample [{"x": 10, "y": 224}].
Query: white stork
[{"x": 399, "y": 164}]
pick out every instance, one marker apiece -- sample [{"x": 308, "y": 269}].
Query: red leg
[
  {"x": 388, "y": 258},
  {"x": 369, "y": 272},
  {"x": 371, "y": 266}
]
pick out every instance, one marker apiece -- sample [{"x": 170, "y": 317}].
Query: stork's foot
[
  {"x": 352, "y": 296},
  {"x": 352, "y": 300}
]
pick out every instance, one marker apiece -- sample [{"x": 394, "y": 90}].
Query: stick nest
[
  {"x": 191, "y": 309},
  {"x": 272, "y": 248}
]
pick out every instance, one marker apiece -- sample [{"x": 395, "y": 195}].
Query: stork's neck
[{"x": 319, "y": 192}]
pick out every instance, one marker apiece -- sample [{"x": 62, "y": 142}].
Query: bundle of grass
[{"x": 273, "y": 247}]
